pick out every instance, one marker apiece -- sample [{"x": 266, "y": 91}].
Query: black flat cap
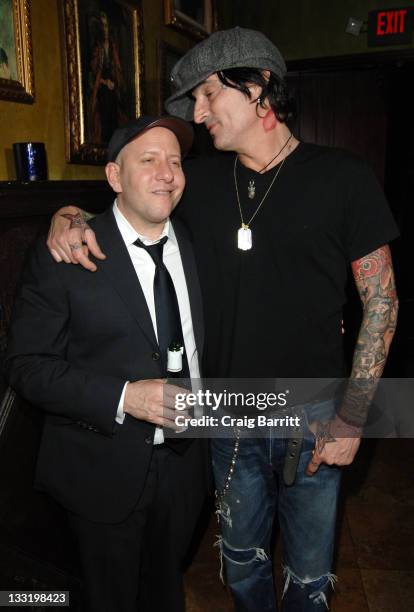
[{"x": 123, "y": 135}]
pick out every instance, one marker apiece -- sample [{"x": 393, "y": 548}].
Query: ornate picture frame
[
  {"x": 104, "y": 63},
  {"x": 195, "y": 17},
  {"x": 16, "y": 55}
]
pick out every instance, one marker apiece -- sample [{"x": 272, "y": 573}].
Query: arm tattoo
[{"x": 374, "y": 278}]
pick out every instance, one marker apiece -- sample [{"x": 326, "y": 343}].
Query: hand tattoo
[
  {"x": 323, "y": 435},
  {"x": 75, "y": 246},
  {"x": 76, "y": 221}
]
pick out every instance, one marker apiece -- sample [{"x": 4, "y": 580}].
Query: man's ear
[
  {"x": 256, "y": 89},
  {"x": 112, "y": 175},
  {"x": 266, "y": 74}
]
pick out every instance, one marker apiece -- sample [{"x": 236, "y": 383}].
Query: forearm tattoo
[{"x": 374, "y": 278}]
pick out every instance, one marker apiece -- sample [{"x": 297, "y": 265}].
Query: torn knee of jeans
[
  {"x": 317, "y": 587},
  {"x": 240, "y": 557},
  {"x": 243, "y": 556}
]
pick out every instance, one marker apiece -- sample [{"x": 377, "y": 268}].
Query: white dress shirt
[{"x": 145, "y": 271}]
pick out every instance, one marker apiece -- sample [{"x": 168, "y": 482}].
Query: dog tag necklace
[{"x": 244, "y": 234}]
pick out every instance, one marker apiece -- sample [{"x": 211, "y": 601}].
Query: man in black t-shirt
[{"x": 276, "y": 225}]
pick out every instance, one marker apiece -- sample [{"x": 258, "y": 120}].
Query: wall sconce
[{"x": 356, "y": 26}]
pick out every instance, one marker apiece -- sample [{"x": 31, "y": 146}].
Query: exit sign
[{"x": 390, "y": 26}]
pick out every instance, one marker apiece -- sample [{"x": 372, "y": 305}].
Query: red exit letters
[
  {"x": 390, "y": 26},
  {"x": 391, "y": 22}
]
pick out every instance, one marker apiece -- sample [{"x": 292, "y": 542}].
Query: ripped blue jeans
[{"x": 306, "y": 512}]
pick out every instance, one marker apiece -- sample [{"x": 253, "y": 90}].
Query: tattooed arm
[
  {"x": 71, "y": 239},
  {"x": 374, "y": 278}
]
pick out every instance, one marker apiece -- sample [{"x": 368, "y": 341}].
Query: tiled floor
[{"x": 375, "y": 551}]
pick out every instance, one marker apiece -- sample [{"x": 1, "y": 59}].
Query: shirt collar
[{"x": 129, "y": 234}]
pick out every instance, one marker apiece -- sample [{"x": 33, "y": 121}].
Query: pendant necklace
[
  {"x": 244, "y": 234},
  {"x": 251, "y": 188}
]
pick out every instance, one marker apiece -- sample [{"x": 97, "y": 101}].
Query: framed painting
[
  {"x": 16, "y": 57},
  {"x": 168, "y": 56},
  {"x": 104, "y": 59},
  {"x": 196, "y": 17}
]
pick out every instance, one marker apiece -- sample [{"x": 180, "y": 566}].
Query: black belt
[
  {"x": 293, "y": 450},
  {"x": 292, "y": 456}
]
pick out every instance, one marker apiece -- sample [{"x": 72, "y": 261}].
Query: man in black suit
[{"x": 88, "y": 353}]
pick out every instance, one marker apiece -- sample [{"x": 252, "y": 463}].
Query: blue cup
[{"x": 30, "y": 161}]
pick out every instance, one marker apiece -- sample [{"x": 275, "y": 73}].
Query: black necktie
[{"x": 167, "y": 312}]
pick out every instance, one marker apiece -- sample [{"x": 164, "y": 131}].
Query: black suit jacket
[{"x": 75, "y": 338}]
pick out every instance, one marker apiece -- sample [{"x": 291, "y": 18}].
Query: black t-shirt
[{"x": 275, "y": 311}]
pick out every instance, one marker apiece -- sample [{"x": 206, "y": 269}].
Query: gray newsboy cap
[{"x": 235, "y": 48}]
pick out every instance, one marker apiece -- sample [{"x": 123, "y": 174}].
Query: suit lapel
[
  {"x": 120, "y": 272},
  {"x": 193, "y": 284}
]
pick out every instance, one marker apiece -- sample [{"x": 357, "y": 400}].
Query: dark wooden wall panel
[
  {"x": 346, "y": 110},
  {"x": 364, "y": 104}
]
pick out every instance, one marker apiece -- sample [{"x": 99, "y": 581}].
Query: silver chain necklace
[{"x": 244, "y": 234}]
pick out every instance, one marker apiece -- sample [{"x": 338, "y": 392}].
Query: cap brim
[
  {"x": 183, "y": 131},
  {"x": 181, "y": 106},
  {"x": 180, "y": 103}
]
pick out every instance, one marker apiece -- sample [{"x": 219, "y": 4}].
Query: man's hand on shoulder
[
  {"x": 152, "y": 401},
  {"x": 71, "y": 239}
]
